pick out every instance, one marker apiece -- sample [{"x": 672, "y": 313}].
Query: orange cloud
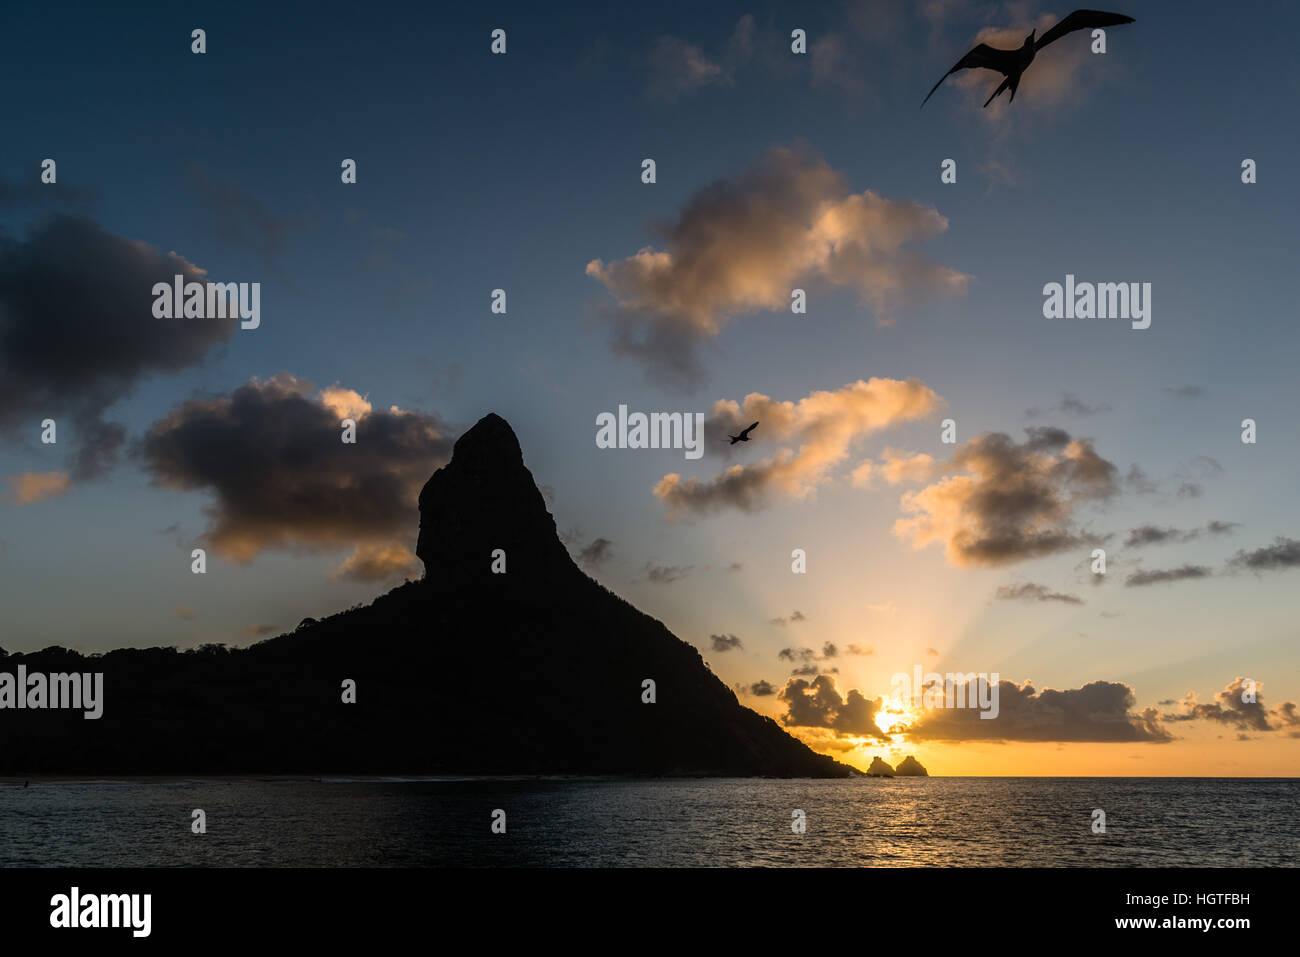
[
  {"x": 819, "y": 430},
  {"x": 29, "y": 488},
  {"x": 741, "y": 245}
]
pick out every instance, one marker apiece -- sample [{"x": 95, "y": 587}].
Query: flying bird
[
  {"x": 1013, "y": 63},
  {"x": 744, "y": 435}
]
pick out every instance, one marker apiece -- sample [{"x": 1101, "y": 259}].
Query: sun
[{"x": 893, "y": 719}]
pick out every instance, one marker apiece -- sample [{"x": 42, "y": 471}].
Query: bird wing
[
  {"x": 1081, "y": 20},
  {"x": 750, "y": 429},
  {"x": 982, "y": 56}
]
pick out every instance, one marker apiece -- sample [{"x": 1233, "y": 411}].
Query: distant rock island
[
  {"x": 536, "y": 671},
  {"x": 908, "y": 766}
]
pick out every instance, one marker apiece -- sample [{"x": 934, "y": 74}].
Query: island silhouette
[{"x": 537, "y": 670}]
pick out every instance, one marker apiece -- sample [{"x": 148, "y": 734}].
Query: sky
[{"x": 774, "y": 170}]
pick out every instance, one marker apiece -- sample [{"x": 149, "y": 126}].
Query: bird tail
[{"x": 1005, "y": 83}]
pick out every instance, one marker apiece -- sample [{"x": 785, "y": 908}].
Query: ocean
[{"x": 860, "y": 822}]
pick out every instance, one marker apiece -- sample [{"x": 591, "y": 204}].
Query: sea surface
[{"x": 860, "y": 822}]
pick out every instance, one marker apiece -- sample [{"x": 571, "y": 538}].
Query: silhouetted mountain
[
  {"x": 909, "y": 765},
  {"x": 538, "y": 670},
  {"x": 880, "y": 769}
]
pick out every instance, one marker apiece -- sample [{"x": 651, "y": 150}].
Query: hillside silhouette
[{"x": 535, "y": 671}]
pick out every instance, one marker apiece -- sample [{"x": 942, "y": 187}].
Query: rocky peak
[{"x": 482, "y": 500}]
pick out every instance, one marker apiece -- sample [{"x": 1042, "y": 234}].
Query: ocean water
[{"x": 871, "y": 822}]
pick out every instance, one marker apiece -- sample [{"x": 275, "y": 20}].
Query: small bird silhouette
[
  {"x": 1013, "y": 63},
  {"x": 743, "y": 436}
]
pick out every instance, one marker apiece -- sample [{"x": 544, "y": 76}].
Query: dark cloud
[
  {"x": 597, "y": 552},
  {"x": 1030, "y": 591},
  {"x": 666, "y": 574},
  {"x": 1232, "y": 709},
  {"x": 1184, "y": 391},
  {"x": 1157, "y": 576},
  {"x": 258, "y": 631},
  {"x": 998, "y": 501},
  {"x": 271, "y": 456},
  {"x": 1070, "y": 404},
  {"x": 1137, "y": 481},
  {"x": 1153, "y": 535},
  {"x": 735, "y": 566},
  {"x": 31, "y": 193},
  {"x": 1099, "y": 711},
  {"x": 725, "y": 642},
  {"x": 77, "y": 332},
  {"x": 239, "y": 219},
  {"x": 795, "y": 616},
  {"x": 1190, "y": 477},
  {"x": 762, "y": 689},
  {"x": 1157, "y": 535},
  {"x": 818, "y": 704},
  {"x": 1283, "y": 553},
  {"x": 810, "y": 662}
]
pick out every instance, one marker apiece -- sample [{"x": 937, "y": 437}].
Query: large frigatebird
[
  {"x": 744, "y": 434},
  {"x": 1013, "y": 63}
]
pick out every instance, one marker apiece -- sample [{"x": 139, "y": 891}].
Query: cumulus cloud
[
  {"x": 377, "y": 562},
  {"x": 741, "y": 245},
  {"x": 1029, "y": 591},
  {"x": 1158, "y": 576},
  {"x": 1239, "y": 705},
  {"x": 813, "y": 436},
  {"x": 725, "y": 642},
  {"x": 28, "y": 488},
  {"x": 1099, "y": 711},
  {"x": 818, "y": 704},
  {"x": 271, "y": 455},
  {"x": 77, "y": 332},
  {"x": 762, "y": 689},
  {"x": 999, "y": 501}
]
